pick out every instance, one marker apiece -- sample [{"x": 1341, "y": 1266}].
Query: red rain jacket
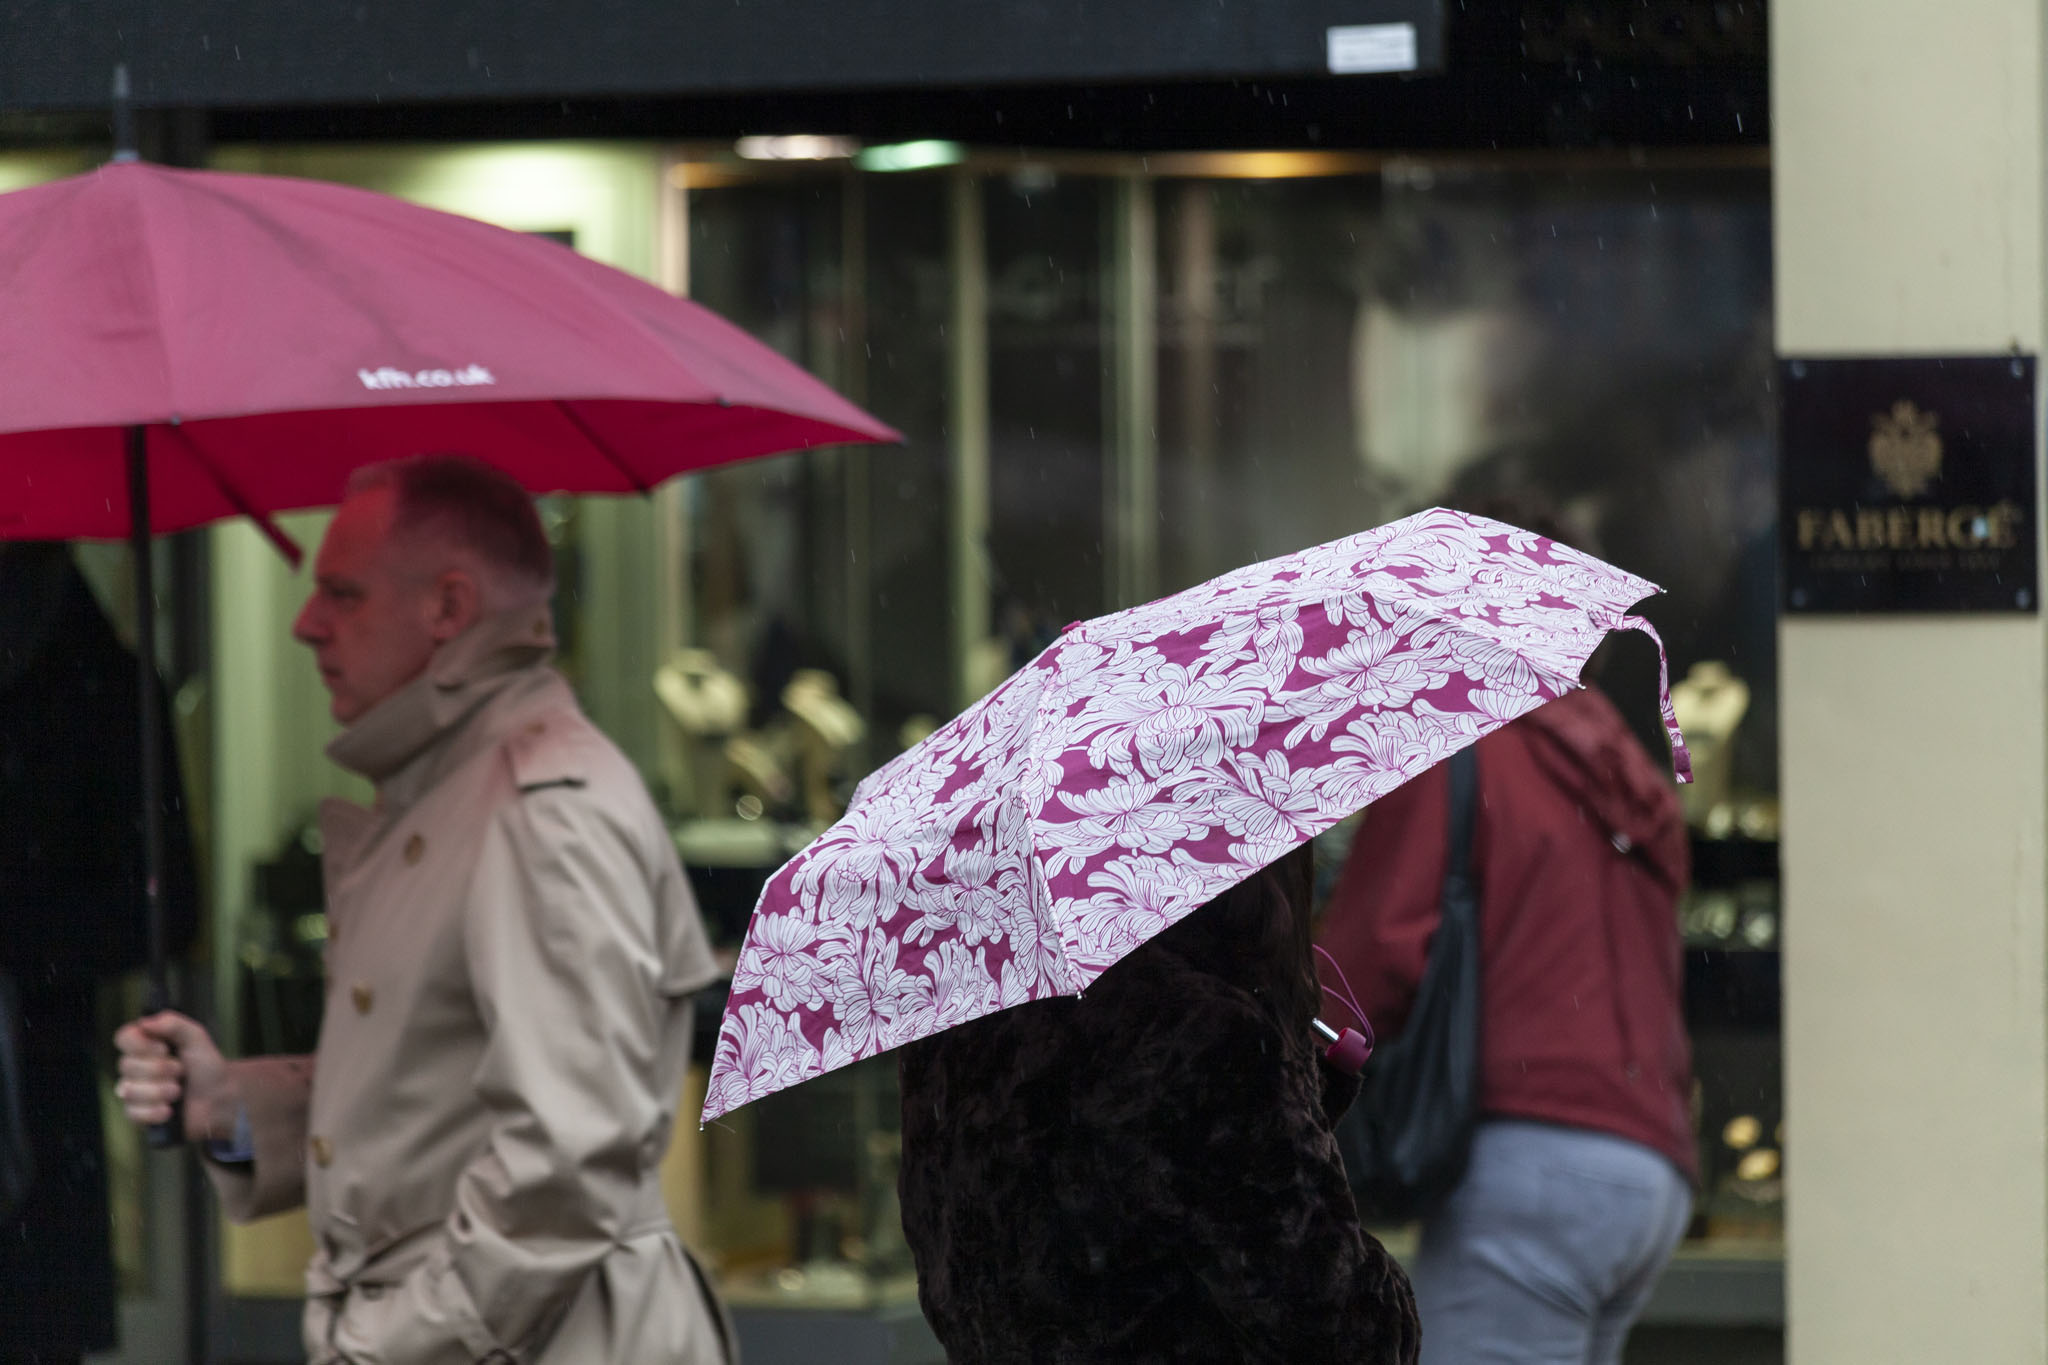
[{"x": 1580, "y": 850}]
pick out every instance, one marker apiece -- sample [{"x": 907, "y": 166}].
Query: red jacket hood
[{"x": 1582, "y": 744}]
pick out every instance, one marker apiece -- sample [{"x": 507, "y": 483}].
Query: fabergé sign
[{"x": 1907, "y": 485}]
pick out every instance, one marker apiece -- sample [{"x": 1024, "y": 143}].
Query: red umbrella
[
  {"x": 181, "y": 346},
  {"x": 270, "y": 335}
]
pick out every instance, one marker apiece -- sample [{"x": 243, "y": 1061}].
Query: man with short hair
[{"x": 512, "y": 949}]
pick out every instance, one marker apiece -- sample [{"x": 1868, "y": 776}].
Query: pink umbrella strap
[
  {"x": 1681, "y": 757},
  {"x": 1347, "y": 997}
]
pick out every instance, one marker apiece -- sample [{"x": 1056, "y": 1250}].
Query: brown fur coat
[{"x": 1146, "y": 1173}]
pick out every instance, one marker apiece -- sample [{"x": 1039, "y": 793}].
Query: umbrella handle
[
  {"x": 1348, "y": 1048},
  {"x": 170, "y": 1133}
]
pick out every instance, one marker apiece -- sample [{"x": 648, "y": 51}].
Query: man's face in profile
[{"x": 370, "y": 620}]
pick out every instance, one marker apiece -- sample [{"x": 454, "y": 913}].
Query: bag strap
[{"x": 1464, "y": 774}]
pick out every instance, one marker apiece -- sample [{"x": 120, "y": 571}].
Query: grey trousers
[{"x": 1548, "y": 1249}]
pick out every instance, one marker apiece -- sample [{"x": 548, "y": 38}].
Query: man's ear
[{"x": 458, "y": 603}]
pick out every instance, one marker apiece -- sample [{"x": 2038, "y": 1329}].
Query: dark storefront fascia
[{"x": 1144, "y": 74}]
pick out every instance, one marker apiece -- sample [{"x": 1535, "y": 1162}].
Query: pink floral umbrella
[{"x": 1142, "y": 764}]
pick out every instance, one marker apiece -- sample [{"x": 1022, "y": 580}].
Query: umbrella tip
[{"x": 124, "y": 116}]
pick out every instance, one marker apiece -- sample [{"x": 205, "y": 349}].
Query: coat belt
[{"x": 389, "y": 1262}]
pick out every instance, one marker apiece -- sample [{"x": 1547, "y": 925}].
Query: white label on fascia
[{"x": 1367, "y": 49}]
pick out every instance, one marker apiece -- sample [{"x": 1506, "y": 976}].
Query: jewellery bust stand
[
  {"x": 1711, "y": 702},
  {"x": 827, "y": 728},
  {"x": 707, "y": 704}
]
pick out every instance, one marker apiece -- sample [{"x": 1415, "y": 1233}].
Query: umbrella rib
[
  {"x": 147, "y": 255},
  {"x": 603, "y": 448},
  {"x": 272, "y": 532}
]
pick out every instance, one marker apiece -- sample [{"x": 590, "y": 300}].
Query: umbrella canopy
[
  {"x": 270, "y": 335},
  {"x": 1142, "y": 764}
]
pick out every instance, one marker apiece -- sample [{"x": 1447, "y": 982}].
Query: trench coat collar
[{"x": 397, "y": 744}]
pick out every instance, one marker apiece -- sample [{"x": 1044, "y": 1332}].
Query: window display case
[{"x": 1183, "y": 368}]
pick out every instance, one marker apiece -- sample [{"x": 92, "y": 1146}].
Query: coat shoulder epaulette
[{"x": 559, "y": 750}]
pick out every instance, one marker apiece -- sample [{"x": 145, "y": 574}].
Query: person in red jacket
[{"x": 1583, "y": 1163}]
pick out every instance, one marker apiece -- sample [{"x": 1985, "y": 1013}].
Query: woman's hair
[{"x": 1257, "y": 935}]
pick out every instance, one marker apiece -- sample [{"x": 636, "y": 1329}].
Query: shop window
[{"x": 1330, "y": 352}]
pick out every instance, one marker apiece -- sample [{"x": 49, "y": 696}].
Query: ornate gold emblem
[{"x": 1904, "y": 449}]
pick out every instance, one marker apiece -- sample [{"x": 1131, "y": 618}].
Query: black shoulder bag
[{"x": 1406, "y": 1138}]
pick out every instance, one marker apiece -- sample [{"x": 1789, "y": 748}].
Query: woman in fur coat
[{"x": 1146, "y": 1173}]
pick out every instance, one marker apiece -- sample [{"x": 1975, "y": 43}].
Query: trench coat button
[
  {"x": 363, "y": 996},
  {"x": 323, "y": 1152},
  {"x": 415, "y": 847}
]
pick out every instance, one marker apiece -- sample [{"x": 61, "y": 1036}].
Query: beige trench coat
[{"x": 512, "y": 947}]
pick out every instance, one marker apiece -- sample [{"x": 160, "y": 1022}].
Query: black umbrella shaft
[
  {"x": 124, "y": 116},
  {"x": 152, "y": 731}
]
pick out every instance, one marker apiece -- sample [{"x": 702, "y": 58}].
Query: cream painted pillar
[{"x": 1908, "y": 184}]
